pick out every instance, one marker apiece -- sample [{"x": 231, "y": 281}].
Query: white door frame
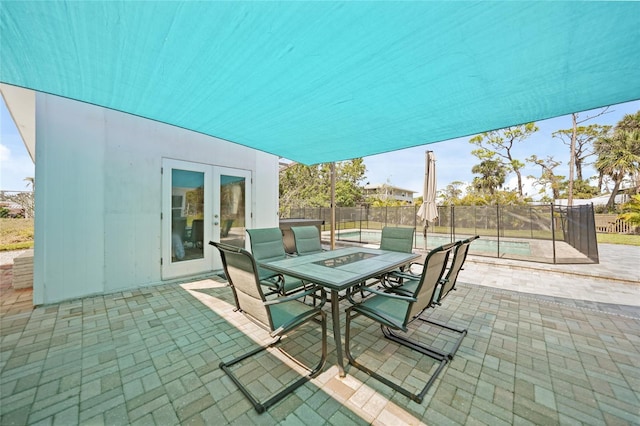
[{"x": 212, "y": 179}]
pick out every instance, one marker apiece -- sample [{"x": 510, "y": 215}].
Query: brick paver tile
[{"x": 151, "y": 357}]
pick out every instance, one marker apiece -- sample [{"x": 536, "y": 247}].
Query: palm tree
[
  {"x": 631, "y": 211},
  {"x": 31, "y": 182},
  {"x": 492, "y": 176},
  {"x": 619, "y": 154}
]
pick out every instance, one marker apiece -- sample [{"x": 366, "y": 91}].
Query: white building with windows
[
  {"x": 385, "y": 191},
  {"x": 124, "y": 202}
]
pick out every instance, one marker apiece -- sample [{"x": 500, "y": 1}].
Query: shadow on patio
[{"x": 151, "y": 356}]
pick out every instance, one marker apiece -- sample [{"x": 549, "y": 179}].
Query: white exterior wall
[{"x": 99, "y": 195}]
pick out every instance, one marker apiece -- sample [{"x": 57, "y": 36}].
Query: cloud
[
  {"x": 5, "y": 154},
  {"x": 14, "y": 169},
  {"x": 529, "y": 188}
]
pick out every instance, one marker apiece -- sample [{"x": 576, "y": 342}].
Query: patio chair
[
  {"x": 395, "y": 311},
  {"x": 395, "y": 239},
  {"x": 392, "y": 239},
  {"x": 307, "y": 239},
  {"x": 197, "y": 232},
  {"x": 280, "y": 316},
  {"x": 448, "y": 282},
  {"x": 266, "y": 246}
]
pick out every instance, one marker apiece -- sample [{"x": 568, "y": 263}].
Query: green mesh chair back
[
  {"x": 242, "y": 274},
  {"x": 307, "y": 239},
  {"x": 267, "y": 246},
  {"x": 434, "y": 268},
  {"x": 459, "y": 256},
  {"x": 397, "y": 239}
]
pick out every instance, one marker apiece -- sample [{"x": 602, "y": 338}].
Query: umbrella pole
[
  {"x": 424, "y": 232},
  {"x": 333, "y": 205}
]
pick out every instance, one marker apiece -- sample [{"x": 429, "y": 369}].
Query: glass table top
[{"x": 334, "y": 262}]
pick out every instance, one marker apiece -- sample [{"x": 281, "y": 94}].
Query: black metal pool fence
[{"x": 538, "y": 233}]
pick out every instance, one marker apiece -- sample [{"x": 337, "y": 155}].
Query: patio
[{"x": 151, "y": 357}]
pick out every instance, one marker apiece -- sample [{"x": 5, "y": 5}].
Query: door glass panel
[
  {"x": 187, "y": 215},
  {"x": 232, "y": 210}
]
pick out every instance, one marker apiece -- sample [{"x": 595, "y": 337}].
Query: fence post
[
  {"x": 386, "y": 214},
  {"x": 498, "y": 226},
  {"x": 531, "y": 221},
  {"x": 452, "y": 228},
  {"x": 553, "y": 233},
  {"x": 475, "y": 221}
]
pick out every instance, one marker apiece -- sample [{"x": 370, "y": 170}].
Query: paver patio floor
[{"x": 151, "y": 357}]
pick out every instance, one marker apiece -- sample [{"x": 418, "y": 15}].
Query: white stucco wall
[{"x": 98, "y": 195}]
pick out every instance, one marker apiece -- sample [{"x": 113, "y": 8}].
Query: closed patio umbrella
[{"x": 428, "y": 211}]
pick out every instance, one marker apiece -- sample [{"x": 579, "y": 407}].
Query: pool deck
[{"x": 547, "y": 344}]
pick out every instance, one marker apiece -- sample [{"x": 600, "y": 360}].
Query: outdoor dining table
[{"x": 338, "y": 270}]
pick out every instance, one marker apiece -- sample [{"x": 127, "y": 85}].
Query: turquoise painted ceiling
[{"x": 327, "y": 81}]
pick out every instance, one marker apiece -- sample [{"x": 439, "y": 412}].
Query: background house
[
  {"x": 385, "y": 192},
  {"x": 112, "y": 194}
]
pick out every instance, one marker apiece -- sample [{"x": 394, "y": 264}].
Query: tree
[
  {"x": 585, "y": 136},
  {"x": 619, "y": 154},
  {"x": 574, "y": 142},
  {"x": 349, "y": 175},
  {"x": 385, "y": 202},
  {"x": 24, "y": 199},
  {"x": 631, "y": 211},
  {"x": 310, "y": 186},
  {"x": 497, "y": 145},
  {"x": 474, "y": 198},
  {"x": 547, "y": 178},
  {"x": 492, "y": 176},
  {"x": 451, "y": 193},
  {"x": 31, "y": 183},
  {"x": 581, "y": 189},
  {"x": 300, "y": 186}
]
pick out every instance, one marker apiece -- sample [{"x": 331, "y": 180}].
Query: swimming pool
[{"x": 521, "y": 248}]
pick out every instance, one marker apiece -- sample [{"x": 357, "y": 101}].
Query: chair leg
[
  {"x": 460, "y": 331},
  {"x": 261, "y": 407},
  {"x": 418, "y": 397}
]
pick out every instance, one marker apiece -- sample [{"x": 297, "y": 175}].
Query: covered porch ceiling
[{"x": 327, "y": 81}]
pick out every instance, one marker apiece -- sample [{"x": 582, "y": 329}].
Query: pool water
[{"x": 522, "y": 248}]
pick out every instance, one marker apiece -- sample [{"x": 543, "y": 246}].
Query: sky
[
  {"x": 15, "y": 162},
  {"x": 404, "y": 168}
]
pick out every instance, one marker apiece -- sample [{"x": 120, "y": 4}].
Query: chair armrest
[
  {"x": 304, "y": 317},
  {"x": 392, "y": 296},
  {"x": 273, "y": 282},
  {"x": 400, "y": 291},
  {"x": 299, "y": 295},
  {"x": 404, "y": 275},
  {"x": 379, "y": 316},
  {"x": 408, "y": 273}
]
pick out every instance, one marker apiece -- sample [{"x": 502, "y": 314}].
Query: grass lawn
[
  {"x": 627, "y": 239},
  {"x": 16, "y": 234}
]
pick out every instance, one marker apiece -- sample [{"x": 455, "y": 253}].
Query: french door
[{"x": 201, "y": 203}]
